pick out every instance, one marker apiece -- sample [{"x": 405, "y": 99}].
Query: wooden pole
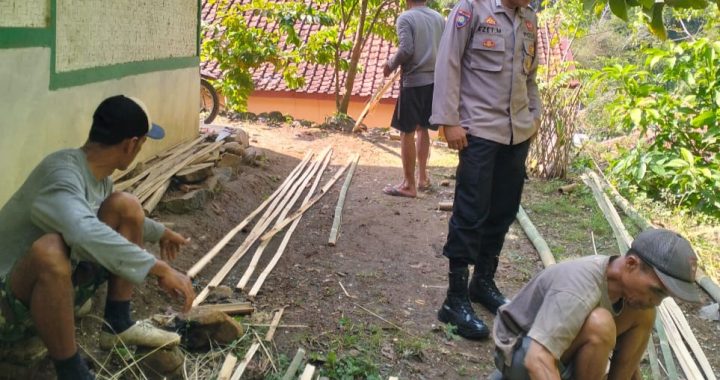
[
  {"x": 237, "y": 308},
  {"x": 205, "y": 260},
  {"x": 259, "y": 228},
  {"x": 283, "y": 244},
  {"x": 537, "y": 240},
  {"x": 227, "y": 367},
  {"x": 311, "y": 203},
  {"x": 332, "y": 240},
  {"x": 294, "y": 365},
  {"x": 297, "y": 192},
  {"x": 376, "y": 99},
  {"x": 246, "y": 360},
  {"x": 621, "y": 235},
  {"x": 151, "y": 203}
]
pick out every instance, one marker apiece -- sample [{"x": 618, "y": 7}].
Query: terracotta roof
[{"x": 319, "y": 79}]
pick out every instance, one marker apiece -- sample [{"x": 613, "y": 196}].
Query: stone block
[
  {"x": 185, "y": 203},
  {"x": 202, "y": 328}
]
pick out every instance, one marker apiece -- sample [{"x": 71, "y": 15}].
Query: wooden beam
[
  {"x": 297, "y": 191},
  {"x": 246, "y": 360},
  {"x": 294, "y": 365},
  {"x": 311, "y": 203},
  {"x": 337, "y": 219},
  {"x": 205, "y": 260},
  {"x": 535, "y": 238},
  {"x": 227, "y": 368},
  {"x": 274, "y": 325}
]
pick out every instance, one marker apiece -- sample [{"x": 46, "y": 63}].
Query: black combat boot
[
  {"x": 457, "y": 308},
  {"x": 483, "y": 289}
]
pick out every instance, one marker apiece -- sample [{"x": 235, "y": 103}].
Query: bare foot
[{"x": 400, "y": 191}]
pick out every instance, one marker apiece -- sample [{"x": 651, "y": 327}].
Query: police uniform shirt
[{"x": 485, "y": 72}]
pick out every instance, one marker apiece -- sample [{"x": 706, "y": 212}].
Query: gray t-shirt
[
  {"x": 62, "y": 196},
  {"x": 553, "y": 306},
  {"x": 419, "y": 30}
]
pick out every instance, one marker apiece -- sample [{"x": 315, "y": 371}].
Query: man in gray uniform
[
  {"x": 65, "y": 232},
  {"x": 573, "y": 316},
  {"x": 419, "y": 30},
  {"x": 487, "y": 102}
]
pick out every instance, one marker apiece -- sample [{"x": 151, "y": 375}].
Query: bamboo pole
[
  {"x": 237, "y": 308},
  {"x": 227, "y": 367},
  {"x": 297, "y": 192},
  {"x": 686, "y": 332},
  {"x": 151, "y": 203},
  {"x": 246, "y": 360},
  {"x": 274, "y": 325},
  {"x": 259, "y": 228},
  {"x": 676, "y": 342},
  {"x": 375, "y": 99},
  {"x": 537, "y": 240},
  {"x": 294, "y": 365},
  {"x": 311, "y": 203},
  {"x": 281, "y": 249},
  {"x": 332, "y": 240},
  {"x": 621, "y": 235},
  {"x": 205, "y": 260}
]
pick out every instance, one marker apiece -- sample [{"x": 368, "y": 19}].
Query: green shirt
[{"x": 62, "y": 196}]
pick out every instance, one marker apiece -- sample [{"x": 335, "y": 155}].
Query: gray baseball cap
[{"x": 673, "y": 260}]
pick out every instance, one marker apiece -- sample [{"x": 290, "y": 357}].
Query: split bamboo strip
[
  {"x": 321, "y": 159},
  {"x": 311, "y": 203},
  {"x": 537, "y": 240},
  {"x": 193, "y": 168},
  {"x": 237, "y": 308},
  {"x": 274, "y": 325},
  {"x": 227, "y": 367},
  {"x": 246, "y": 360},
  {"x": 676, "y": 342},
  {"x": 653, "y": 359},
  {"x": 281, "y": 249},
  {"x": 668, "y": 358},
  {"x": 337, "y": 220},
  {"x": 205, "y": 260},
  {"x": 151, "y": 203},
  {"x": 294, "y": 365},
  {"x": 621, "y": 235},
  {"x": 119, "y": 175},
  {"x": 143, "y": 191},
  {"x": 129, "y": 183},
  {"x": 259, "y": 228},
  {"x": 376, "y": 98},
  {"x": 677, "y": 315},
  {"x": 308, "y": 372}
]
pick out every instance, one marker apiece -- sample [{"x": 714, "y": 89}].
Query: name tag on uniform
[{"x": 489, "y": 29}]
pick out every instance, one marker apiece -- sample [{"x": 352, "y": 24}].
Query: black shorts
[{"x": 413, "y": 109}]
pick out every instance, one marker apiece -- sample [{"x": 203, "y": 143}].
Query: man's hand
[
  {"x": 174, "y": 283},
  {"x": 456, "y": 136},
  {"x": 170, "y": 244},
  {"x": 386, "y": 71}
]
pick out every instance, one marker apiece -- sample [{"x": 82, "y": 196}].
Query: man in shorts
[
  {"x": 65, "y": 232},
  {"x": 419, "y": 30},
  {"x": 573, "y": 316}
]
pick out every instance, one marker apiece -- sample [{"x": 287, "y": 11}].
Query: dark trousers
[{"x": 489, "y": 183}]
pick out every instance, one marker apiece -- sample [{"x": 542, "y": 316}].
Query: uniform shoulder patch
[
  {"x": 490, "y": 20},
  {"x": 529, "y": 25},
  {"x": 462, "y": 18}
]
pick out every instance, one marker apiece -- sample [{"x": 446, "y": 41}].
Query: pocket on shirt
[
  {"x": 528, "y": 55},
  {"x": 488, "y": 53}
]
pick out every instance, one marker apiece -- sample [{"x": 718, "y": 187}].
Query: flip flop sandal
[{"x": 395, "y": 192}]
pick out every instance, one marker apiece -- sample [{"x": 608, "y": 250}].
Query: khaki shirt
[{"x": 485, "y": 72}]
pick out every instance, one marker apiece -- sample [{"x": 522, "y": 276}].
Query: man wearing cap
[
  {"x": 65, "y": 232},
  {"x": 573, "y": 316}
]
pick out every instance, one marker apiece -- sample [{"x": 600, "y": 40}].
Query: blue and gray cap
[{"x": 120, "y": 117}]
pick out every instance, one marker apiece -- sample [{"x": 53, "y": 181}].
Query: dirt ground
[{"x": 388, "y": 259}]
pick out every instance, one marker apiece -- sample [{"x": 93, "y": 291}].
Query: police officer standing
[{"x": 486, "y": 99}]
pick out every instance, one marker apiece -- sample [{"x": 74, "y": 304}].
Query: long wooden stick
[
  {"x": 205, "y": 260},
  {"x": 376, "y": 98},
  {"x": 227, "y": 367},
  {"x": 283, "y": 244},
  {"x": 246, "y": 360},
  {"x": 238, "y": 308},
  {"x": 684, "y": 328},
  {"x": 294, "y": 364},
  {"x": 311, "y": 203},
  {"x": 298, "y": 190},
  {"x": 332, "y": 240},
  {"x": 621, "y": 235},
  {"x": 274, "y": 209},
  {"x": 151, "y": 203},
  {"x": 535, "y": 238},
  {"x": 274, "y": 325}
]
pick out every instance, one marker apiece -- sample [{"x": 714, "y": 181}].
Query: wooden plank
[
  {"x": 246, "y": 360},
  {"x": 227, "y": 368},
  {"x": 205, "y": 260},
  {"x": 237, "y": 308},
  {"x": 337, "y": 219},
  {"x": 275, "y": 207},
  {"x": 294, "y": 365},
  {"x": 274, "y": 325},
  {"x": 193, "y": 168},
  {"x": 296, "y": 191},
  {"x": 311, "y": 203},
  {"x": 535, "y": 238},
  {"x": 308, "y": 372},
  {"x": 686, "y": 333},
  {"x": 151, "y": 203},
  {"x": 283, "y": 244}
]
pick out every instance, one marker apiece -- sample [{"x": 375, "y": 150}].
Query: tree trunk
[{"x": 354, "y": 59}]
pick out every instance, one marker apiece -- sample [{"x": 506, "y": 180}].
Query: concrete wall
[
  {"x": 24, "y": 13},
  {"x": 317, "y": 107},
  {"x": 43, "y": 109}
]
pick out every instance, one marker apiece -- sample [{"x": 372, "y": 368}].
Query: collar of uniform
[{"x": 499, "y": 7}]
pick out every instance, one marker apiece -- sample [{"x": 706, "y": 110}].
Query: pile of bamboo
[
  {"x": 151, "y": 183},
  {"x": 276, "y": 211}
]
